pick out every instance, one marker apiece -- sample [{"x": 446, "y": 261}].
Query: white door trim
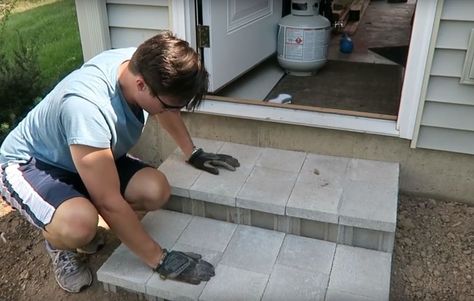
[
  {"x": 183, "y": 20},
  {"x": 417, "y": 61},
  {"x": 420, "y": 42},
  {"x": 299, "y": 117}
]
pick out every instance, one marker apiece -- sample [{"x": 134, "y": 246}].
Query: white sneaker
[{"x": 70, "y": 272}]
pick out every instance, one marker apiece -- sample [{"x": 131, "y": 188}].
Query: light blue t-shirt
[{"x": 87, "y": 108}]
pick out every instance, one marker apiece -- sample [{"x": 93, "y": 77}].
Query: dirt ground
[{"x": 433, "y": 257}]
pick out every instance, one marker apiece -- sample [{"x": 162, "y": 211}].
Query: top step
[{"x": 350, "y": 192}]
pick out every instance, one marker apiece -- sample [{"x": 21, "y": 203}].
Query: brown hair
[{"x": 170, "y": 67}]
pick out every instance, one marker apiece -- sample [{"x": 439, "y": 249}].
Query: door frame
[{"x": 183, "y": 23}]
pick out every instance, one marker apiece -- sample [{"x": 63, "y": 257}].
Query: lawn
[{"x": 51, "y": 27}]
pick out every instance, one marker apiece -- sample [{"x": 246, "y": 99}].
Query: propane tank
[{"x": 303, "y": 38}]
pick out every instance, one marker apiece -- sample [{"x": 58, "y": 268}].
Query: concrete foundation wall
[{"x": 437, "y": 174}]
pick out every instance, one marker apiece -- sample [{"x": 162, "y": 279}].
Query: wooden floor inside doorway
[{"x": 370, "y": 78}]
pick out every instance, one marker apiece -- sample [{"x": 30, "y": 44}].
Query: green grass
[{"x": 51, "y": 26}]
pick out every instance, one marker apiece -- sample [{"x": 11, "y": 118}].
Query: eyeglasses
[{"x": 170, "y": 107}]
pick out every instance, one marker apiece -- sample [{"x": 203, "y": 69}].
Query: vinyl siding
[
  {"x": 131, "y": 22},
  {"x": 447, "y": 119}
]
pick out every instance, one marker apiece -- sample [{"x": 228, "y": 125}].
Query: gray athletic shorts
[{"x": 37, "y": 189}]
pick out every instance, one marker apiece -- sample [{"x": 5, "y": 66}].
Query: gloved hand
[
  {"x": 185, "y": 266},
  {"x": 209, "y": 162}
]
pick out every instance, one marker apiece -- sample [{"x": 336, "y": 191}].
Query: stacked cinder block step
[
  {"x": 251, "y": 264},
  {"x": 348, "y": 201},
  {"x": 285, "y": 226}
]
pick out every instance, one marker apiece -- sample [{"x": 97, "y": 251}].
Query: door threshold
[{"x": 336, "y": 119}]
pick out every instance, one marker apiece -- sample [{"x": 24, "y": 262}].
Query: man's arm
[
  {"x": 173, "y": 123},
  {"x": 97, "y": 169}
]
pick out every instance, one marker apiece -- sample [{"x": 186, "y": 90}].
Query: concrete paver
[
  {"x": 283, "y": 160},
  {"x": 267, "y": 190},
  {"x": 307, "y": 254},
  {"x": 369, "y": 205},
  {"x": 208, "y": 234},
  {"x": 252, "y": 264},
  {"x": 231, "y": 283},
  {"x": 315, "y": 199},
  {"x": 165, "y": 227},
  {"x": 361, "y": 272},
  {"x": 124, "y": 269},
  {"x": 288, "y": 283},
  {"x": 253, "y": 249}
]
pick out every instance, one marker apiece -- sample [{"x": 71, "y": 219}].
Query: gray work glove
[
  {"x": 185, "y": 266},
  {"x": 209, "y": 162}
]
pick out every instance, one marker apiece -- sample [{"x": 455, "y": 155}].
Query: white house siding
[
  {"x": 447, "y": 120},
  {"x": 106, "y": 24},
  {"x": 131, "y": 22}
]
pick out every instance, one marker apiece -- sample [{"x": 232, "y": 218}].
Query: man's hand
[
  {"x": 185, "y": 266},
  {"x": 209, "y": 162}
]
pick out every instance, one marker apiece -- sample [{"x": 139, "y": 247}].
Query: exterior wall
[
  {"x": 426, "y": 172},
  {"x": 446, "y": 121},
  {"x": 105, "y": 24},
  {"x": 131, "y": 22}
]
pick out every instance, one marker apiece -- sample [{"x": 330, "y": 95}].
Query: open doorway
[{"x": 366, "y": 82}]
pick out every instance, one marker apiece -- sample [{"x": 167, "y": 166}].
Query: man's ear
[{"x": 141, "y": 85}]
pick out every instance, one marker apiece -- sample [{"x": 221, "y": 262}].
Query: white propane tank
[{"x": 303, "y": 38}]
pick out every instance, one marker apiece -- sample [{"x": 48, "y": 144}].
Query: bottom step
[{"x": 251, "y": 264}]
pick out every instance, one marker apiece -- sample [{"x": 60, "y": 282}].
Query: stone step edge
[
  {"x": 333, "y": 290},
  {"x": 183, "y": 186},
  {"x": 338, "y": 233}
]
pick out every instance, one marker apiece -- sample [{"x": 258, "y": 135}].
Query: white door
[{"x": 242, "y": 34}]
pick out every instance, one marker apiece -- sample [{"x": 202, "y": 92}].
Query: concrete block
[
  {"x": 318, "y": 230},
  {"x": 361, "y": 272},
  {"x": 345, "y": 235},
  {"x": 373, "y": 171},
  {"x": 333, "y": 295},
  {"x": 262, "y": 219},
  {"x": 175, "y": 203},
  {"x": 282, "y": 160},
  {"x": 246, "y": 154},
  {"x": 109, "y": 288},
  {"x": 244, "y": 216},
  {"x": 180, "y": 174},
  {"x": 388, "y": 242},
  {"x": 267, "y": 190},
  {"x": 283, "y": 224},
  {"x": 295, "y": 226},
  {"x": 253, "y": 249},
  {"x": 198, "y": 208},
  {"x": 325, "y": 168},
  {"x": 232, "y": 283},
  {"x": 232, "y": 215},
  {"x": 315, "y": 199},
  {"x": 221, "y": 189},
  {"x": 369, "y": 205},
  {"x": 307, "y": 254},
  {"x": 287, "y": 283},
  {"x": 124, "y": 269},
  {"x": 366, "y": 238},
  {"x": 165, "y": 226},
  {"x": 187, "y": 205},
  {"x": 215, "y": 211},
  {"x": 207, "y": 234},
  {"x": 175, "y": 290}
]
